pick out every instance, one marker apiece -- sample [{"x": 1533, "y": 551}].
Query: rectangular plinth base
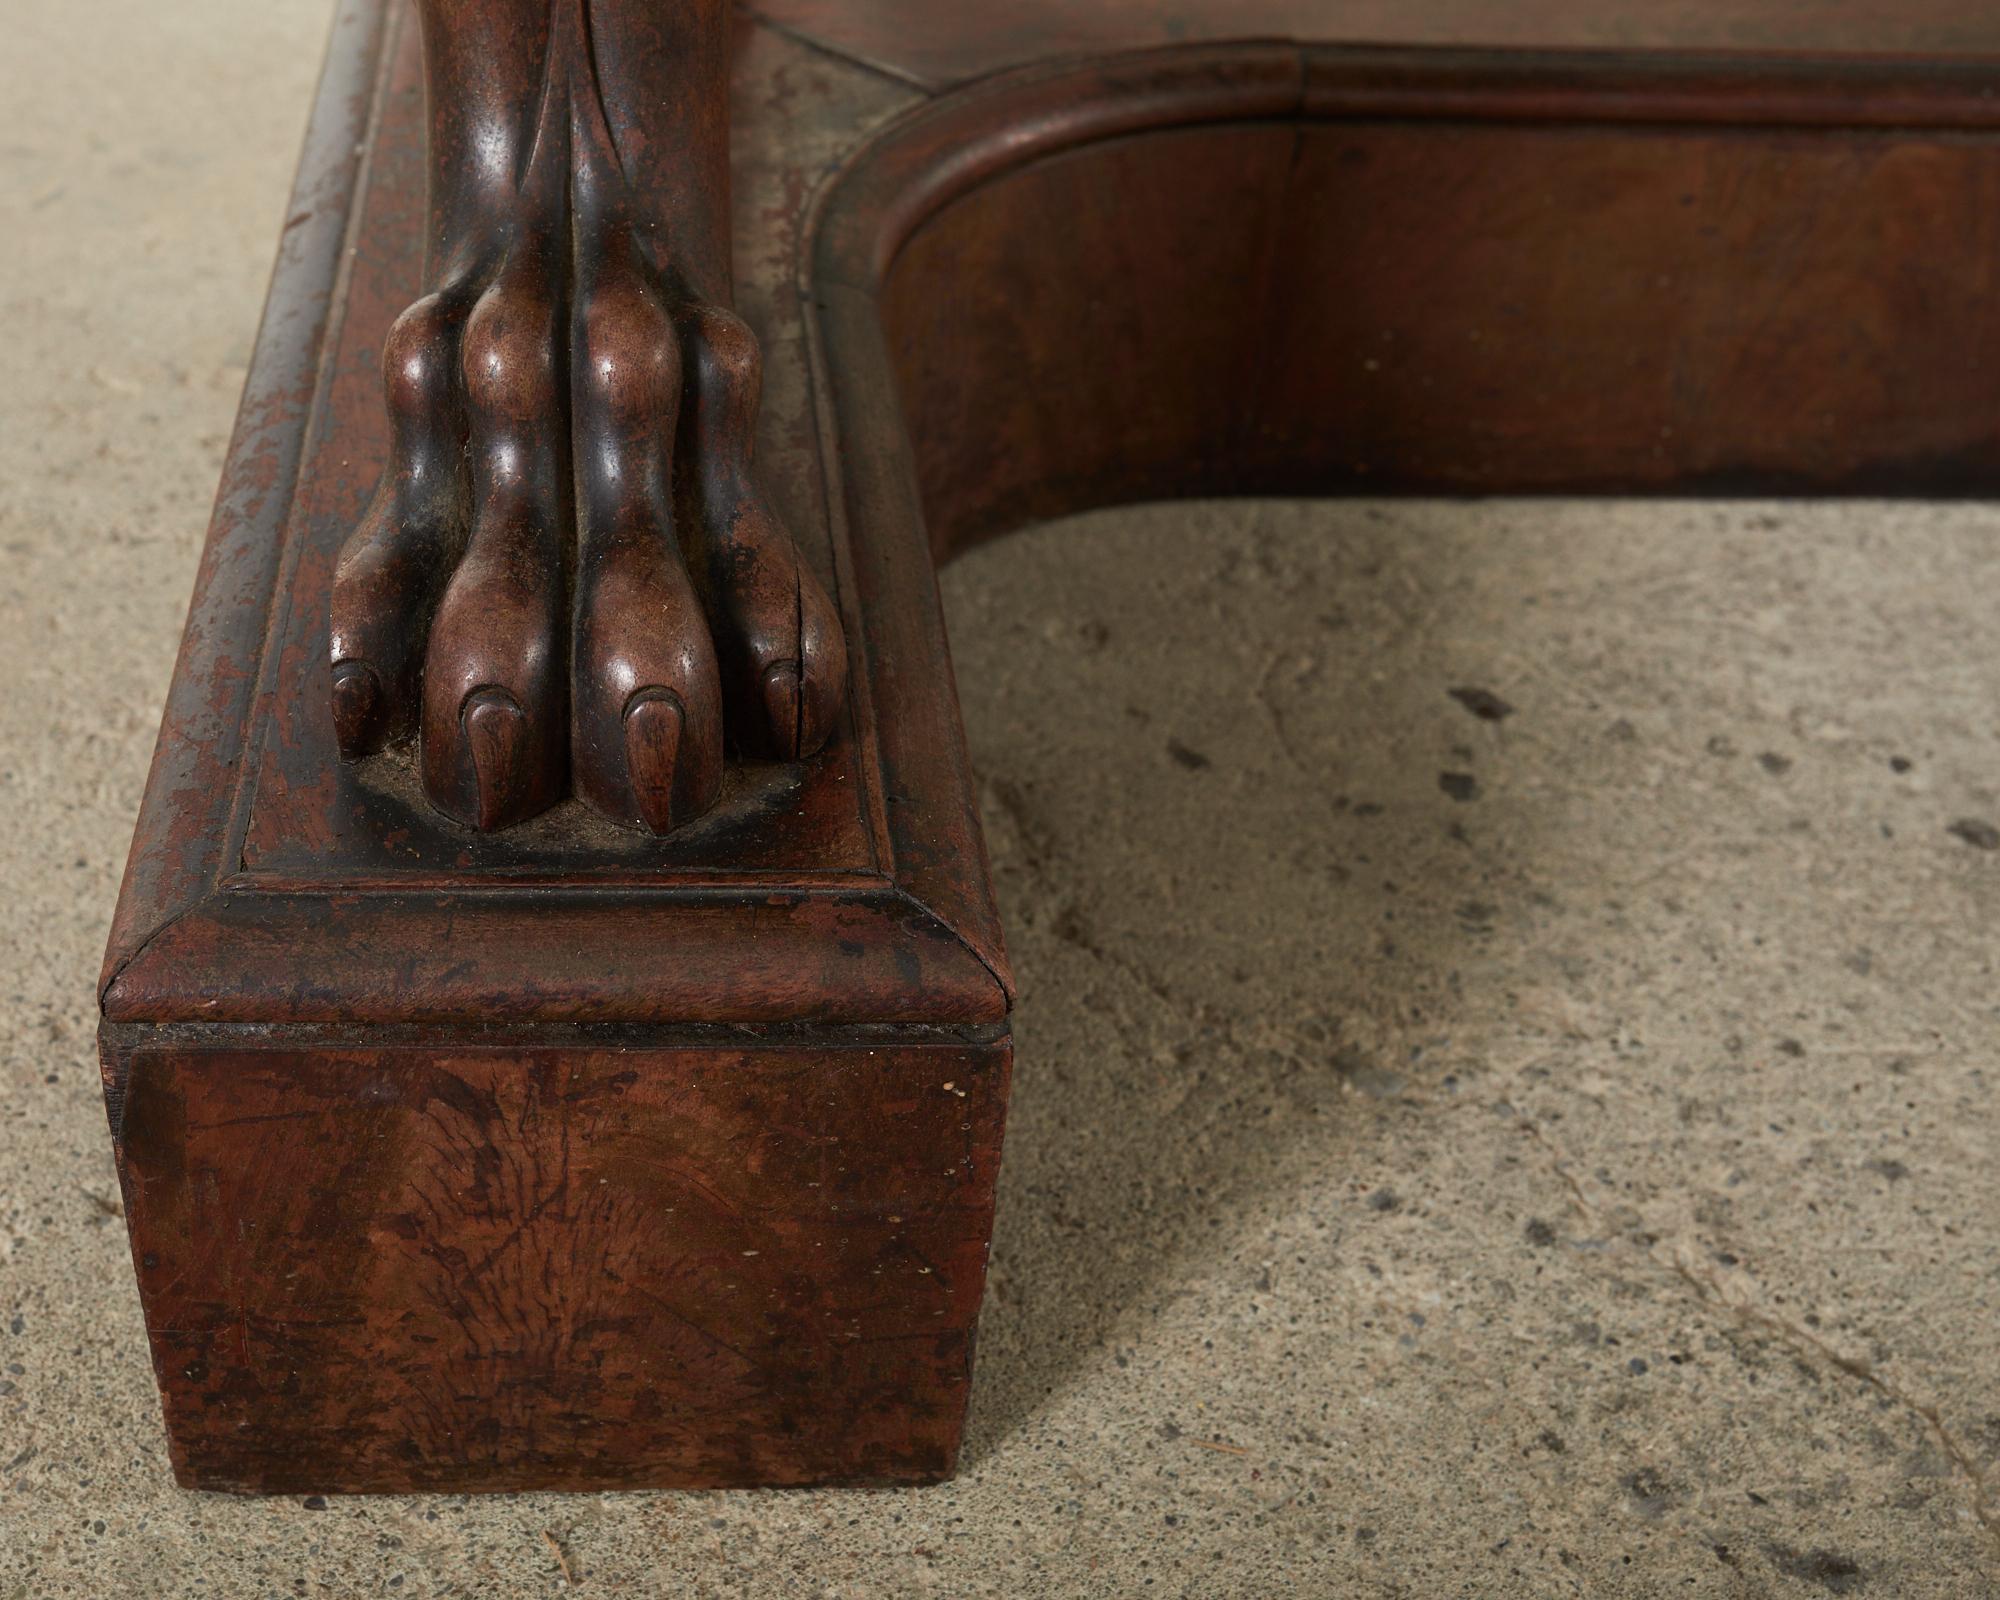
[{"x": 589, "y": 1264}]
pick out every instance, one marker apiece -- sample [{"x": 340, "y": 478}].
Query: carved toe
[
  {"x": 496, "y": 740},
  {"x": 646, "y": 744},
  {"x": 653, "y": 721},
  {"x": 777, "y": 636},
  {"x": 360, "y": 710},
  {"x": 646, "y": 705},
  {"x": 391, "y": 568}
]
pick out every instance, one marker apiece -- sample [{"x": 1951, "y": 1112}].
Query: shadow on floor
[{"x": 1247, "y": 868}]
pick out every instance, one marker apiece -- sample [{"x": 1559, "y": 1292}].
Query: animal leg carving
[{"x": 569, "y": 578}]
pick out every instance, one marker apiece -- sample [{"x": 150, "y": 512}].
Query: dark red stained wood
[
  {"x": 568, "y": 576},
  {"x": 1665, "y": 310},
  {"x": 271, "y": 881},
  {"x": 181, "y": 844},
  {"x": 315, "y": 816},
  {"x": 942, "y": 44},
  {"x": 1381, "y": 271},
  {"x": 444, "y": 1152},
  {"x": 568, "y": 1266},
  {"x": 327, "y": 1011}
]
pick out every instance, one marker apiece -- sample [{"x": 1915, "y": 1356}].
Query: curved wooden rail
[{"x": 1269, "y": 268}]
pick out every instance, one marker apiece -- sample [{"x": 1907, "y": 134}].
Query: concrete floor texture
[{"x": 1505, "y": 1100}]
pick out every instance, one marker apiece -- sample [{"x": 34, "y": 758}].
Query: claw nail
[
  {"x": 781, "y": 700},
  {"x": 496, "y": 731},
  {"x": 360, "y": 713},
  {"x": 653, "y": 721}
]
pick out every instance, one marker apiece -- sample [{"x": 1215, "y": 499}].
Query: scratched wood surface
[
  {"x": 393, "y": 1226},
  {"x": 513, "y": 1267},
  {"x": 270, "y": 880}
]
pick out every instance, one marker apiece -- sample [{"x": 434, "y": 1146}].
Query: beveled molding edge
[
  {"x": 945, "y": 147},
  {"x": 120, "y": 1043}
]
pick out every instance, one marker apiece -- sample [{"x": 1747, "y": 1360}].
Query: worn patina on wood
[{"x": 569, "y": 1153}]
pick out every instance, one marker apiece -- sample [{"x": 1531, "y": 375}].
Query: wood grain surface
[
  {"x": 938, "y": 45},
  {"x": 430, "y": 1267},
  {"x": 572, "y": 1155}
]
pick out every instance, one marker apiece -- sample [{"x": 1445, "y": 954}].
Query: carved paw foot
[{"x": 568, "y": 576}]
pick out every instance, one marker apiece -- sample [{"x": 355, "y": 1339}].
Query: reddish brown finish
[
  {"x": 270, "y": 881},
  {"x": 569, "y": 563},
  {"x": 578, "y": 1265},
  {"x": 1441, "y": 273},
  {"x": 325, "y": 1004},
  {"x": 938, "y": 45},
  {"x": 365, "y": 1067}
]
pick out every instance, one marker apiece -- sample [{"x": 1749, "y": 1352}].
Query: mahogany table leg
[{"x": 567, "y": 1153}]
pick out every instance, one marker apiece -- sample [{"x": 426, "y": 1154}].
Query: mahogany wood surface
[
  {"x": 446, "y": 1151},
  {"x": 330, "y": 1009},
  {"x": 1324, "y": 270},
  {"x": 569, "y": 567},
  {"x": 938, "y": 45},
  {"x": 591, "y": 1263}
]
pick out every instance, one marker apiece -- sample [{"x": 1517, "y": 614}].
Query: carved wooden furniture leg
[
  {"x": 564, "y": 1153},
  {"x": 461, "y": 1156},
  {"x": 569, "y": 569}
]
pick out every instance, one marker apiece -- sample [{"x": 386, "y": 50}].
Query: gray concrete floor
[{"x": 1548, "y": 1154}]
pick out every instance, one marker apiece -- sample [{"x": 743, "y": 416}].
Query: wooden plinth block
[
  {"x": 584, "y": 1262},
  {"x": 561, "y": 1156},
  {"x": 569, "y": 1156}
]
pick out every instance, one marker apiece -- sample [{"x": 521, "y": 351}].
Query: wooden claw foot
[{"x": 569, "y": 578}]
